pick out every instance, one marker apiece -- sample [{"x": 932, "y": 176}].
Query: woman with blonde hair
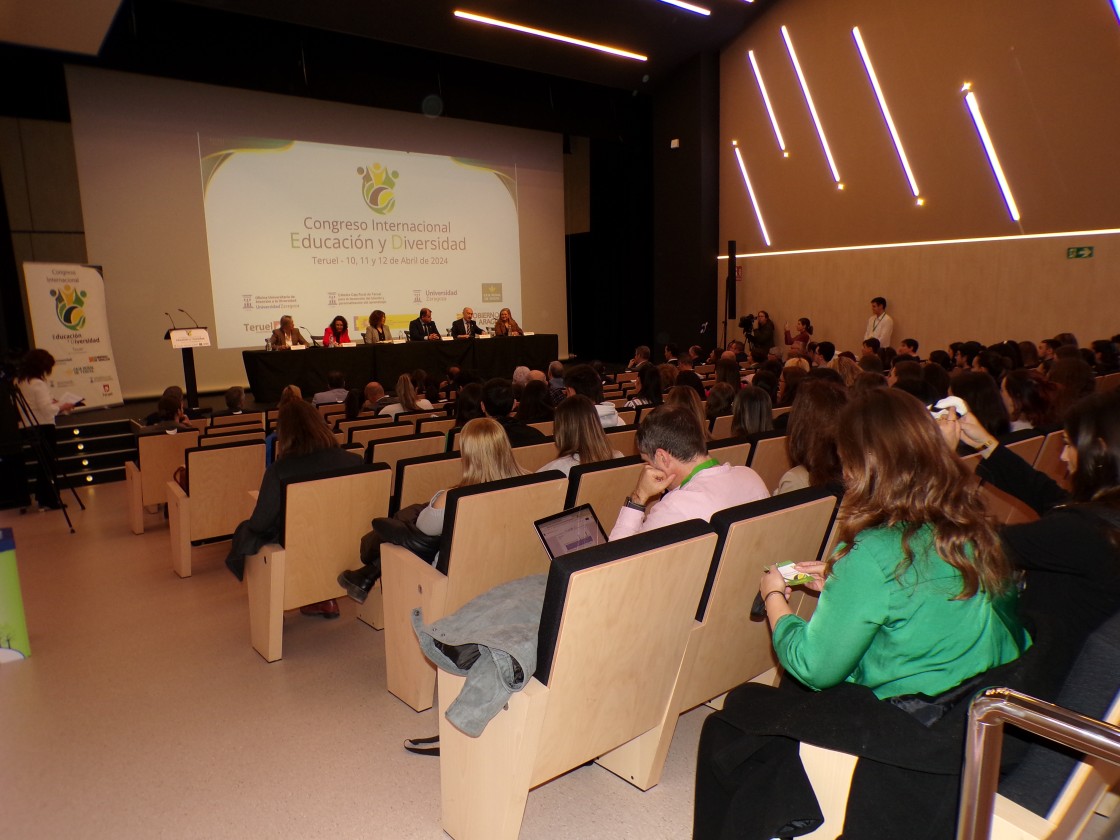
[
  {"x": 505, "y": 325},
  {"x": 486, "y": 456},
  {"x": 407, "y": 399},
  {"x": 579, "y": 436}
]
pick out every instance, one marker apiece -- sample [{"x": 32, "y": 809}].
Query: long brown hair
[
  {"x": 406, "y": 393},
  {"x": 811, "y": 438},
  {"x": 898, "y": 470},
  {"x": 486, "y": 453},
  {"x": 301, "y": 430},
  {"x": 578, "y": 431}
]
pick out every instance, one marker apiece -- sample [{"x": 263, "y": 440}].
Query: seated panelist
[
  {"x": 337, "y": 333},
  {"x": 423, "y": 328},
  {"x": 505, "y": 325},
  {"x": 465, "y": 326},
  {"x": 286, "y": 336}
]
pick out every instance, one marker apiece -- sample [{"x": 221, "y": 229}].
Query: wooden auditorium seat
[
  {"x": 612, "y": 635},
  {"x": 255, "y": 418},
  {"x": 726, "y": 647},
  {"x": 721, "y": 427},
  {"x": 533, "y": 456},
  {"x": 391, "y": 450},
  {"x": 732, "y": 450},
  {"x": 488, "y": 539},
  {"x": 231, "y": 435},
  {"x": 603, "y": 485},
  {"x": 622, "y": 439},
  {"x": 157, "y": 458},
  {"x": 323, "y": 524},
  {"x": 769, "y": 458},
  {"x": 220, "y": 479}
]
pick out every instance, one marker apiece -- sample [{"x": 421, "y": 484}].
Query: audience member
[
  {"x": 235, "y": 402},
  {"x": 306, "y": 447},
  {"x": 579, "y": 436},
  {"x": 694, "y": 485},
  {"x": 407, "y": 399},
  {"x": 981, "y": 394},
  {"x": 556, "y": 390},
  {"x": 582, "y": 379},
  {"x": 752, "y": 412},
  {"x": 912, "y": 566},
  {"x": 498, "y": 403},
  {"x": 719, "y": 402},
  {"x": 811, "y": 438},
  {"x": 1029, "y": 398},
  {"x": 469, "y": 404},
  {"x": 727, "y": 371},
  {"x": 683, "y": 395},
  {"x": 336, "y": 389},
  {"x": 880, "y": 326},
  {"x": 1074, "y": 379},
  {"x": 649, "y": 390},
  {"x": 534, "y": 406},
  {"x": 486, "y": 456},
  {"x": 804, "y": 333}
]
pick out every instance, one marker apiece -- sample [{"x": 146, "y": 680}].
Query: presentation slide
[{"x": 316, "y": 231}]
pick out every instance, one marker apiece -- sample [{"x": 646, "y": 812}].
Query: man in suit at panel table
[
  {"x": 465, "y": 327},
  {"x": 286, "y": 336},
  {"x": 423, "y": 328}
]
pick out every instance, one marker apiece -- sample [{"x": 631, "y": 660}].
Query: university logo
[
  {"x": 69, "y": 307},
  {"x": 246, "y": 301},
  {"x": 378, "y": 185},
  {"x": 416, "y": 295},
  {"x": 332, "y": 298}
]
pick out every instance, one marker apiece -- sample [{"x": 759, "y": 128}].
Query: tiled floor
[{"x": 143, "y": 712}]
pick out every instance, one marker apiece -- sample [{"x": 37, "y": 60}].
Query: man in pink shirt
[{"x": 695, "y": 485}]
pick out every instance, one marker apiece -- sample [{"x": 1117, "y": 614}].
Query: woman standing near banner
[
  {"x": 376, "y": 331},
  {"x": 32, "y": 382}
]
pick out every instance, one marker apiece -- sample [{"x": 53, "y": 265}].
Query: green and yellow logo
[
  {"x": 70, "y": 307},
  {"x": 377, "y": 188}
]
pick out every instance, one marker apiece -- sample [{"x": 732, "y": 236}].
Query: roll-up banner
[{"x": 69, "y": 320}]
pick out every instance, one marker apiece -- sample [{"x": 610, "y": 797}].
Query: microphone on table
[{"x": 314, "y": 342}]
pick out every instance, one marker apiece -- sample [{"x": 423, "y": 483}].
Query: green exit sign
[{"x": 1082, "y": 253}]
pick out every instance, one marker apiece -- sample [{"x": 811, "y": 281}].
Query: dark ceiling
[{"x": 668, "y": 35}]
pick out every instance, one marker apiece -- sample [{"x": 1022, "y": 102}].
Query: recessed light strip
[
  {"x": 688, "y": 7},
  {"x": 812, "y": 107},
  {"x": 766, "y": 99},
  {"x": 968, "y": 241},
  {"x": 750, "y": 192},
  {"x": 993, "y": 158},
  {"x": 552, "y": 36},
  {"x": 885, "y": 110}
]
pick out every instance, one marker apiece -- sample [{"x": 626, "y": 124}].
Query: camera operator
[{"x": 762, "y": 335}]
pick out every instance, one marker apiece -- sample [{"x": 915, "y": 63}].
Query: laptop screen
[{"x": 570, "y": 531}]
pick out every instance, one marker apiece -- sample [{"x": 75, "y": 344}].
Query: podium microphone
[
  {"x": 189, "y": 315},
  {"x": 172, "y": 320}
]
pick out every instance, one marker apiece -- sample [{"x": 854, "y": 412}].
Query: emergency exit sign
[{"x": 1082, "y": 253}]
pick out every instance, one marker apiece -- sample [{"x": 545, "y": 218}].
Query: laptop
[{"x": 570, "y": 530}]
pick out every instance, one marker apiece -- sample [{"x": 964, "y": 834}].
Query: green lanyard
[{"x": 711, "y": 462}]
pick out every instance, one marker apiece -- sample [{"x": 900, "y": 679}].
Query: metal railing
[{"x": 989, "y": 712}]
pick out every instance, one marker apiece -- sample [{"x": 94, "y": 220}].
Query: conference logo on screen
[
  {"x": 70, "y": 307},
  {"x": 378, "y": 185},
  {"x": 491, "y": 292}
]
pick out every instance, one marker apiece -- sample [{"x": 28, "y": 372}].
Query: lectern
[{"x": 187, "y": 340}]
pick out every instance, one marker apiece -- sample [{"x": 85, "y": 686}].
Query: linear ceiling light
[
  {"x": 1115, "y": 8},
  {"x": 553, "y": 36},
  {"x": 688, "y": 7},
  {"x": 750, "y": 192},
  {"x": 885, "y": 110},
  {"x": 812, "y": 107},
  {"x": 993, "y": 158},
  {"x": 766, "y": 99},
  {"x": 967, "y": 241}
]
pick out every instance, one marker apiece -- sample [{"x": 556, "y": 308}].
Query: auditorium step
[{"x": 89, "y": 452}]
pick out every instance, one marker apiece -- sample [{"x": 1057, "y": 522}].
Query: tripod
[{"x": 49, "y": 466}]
